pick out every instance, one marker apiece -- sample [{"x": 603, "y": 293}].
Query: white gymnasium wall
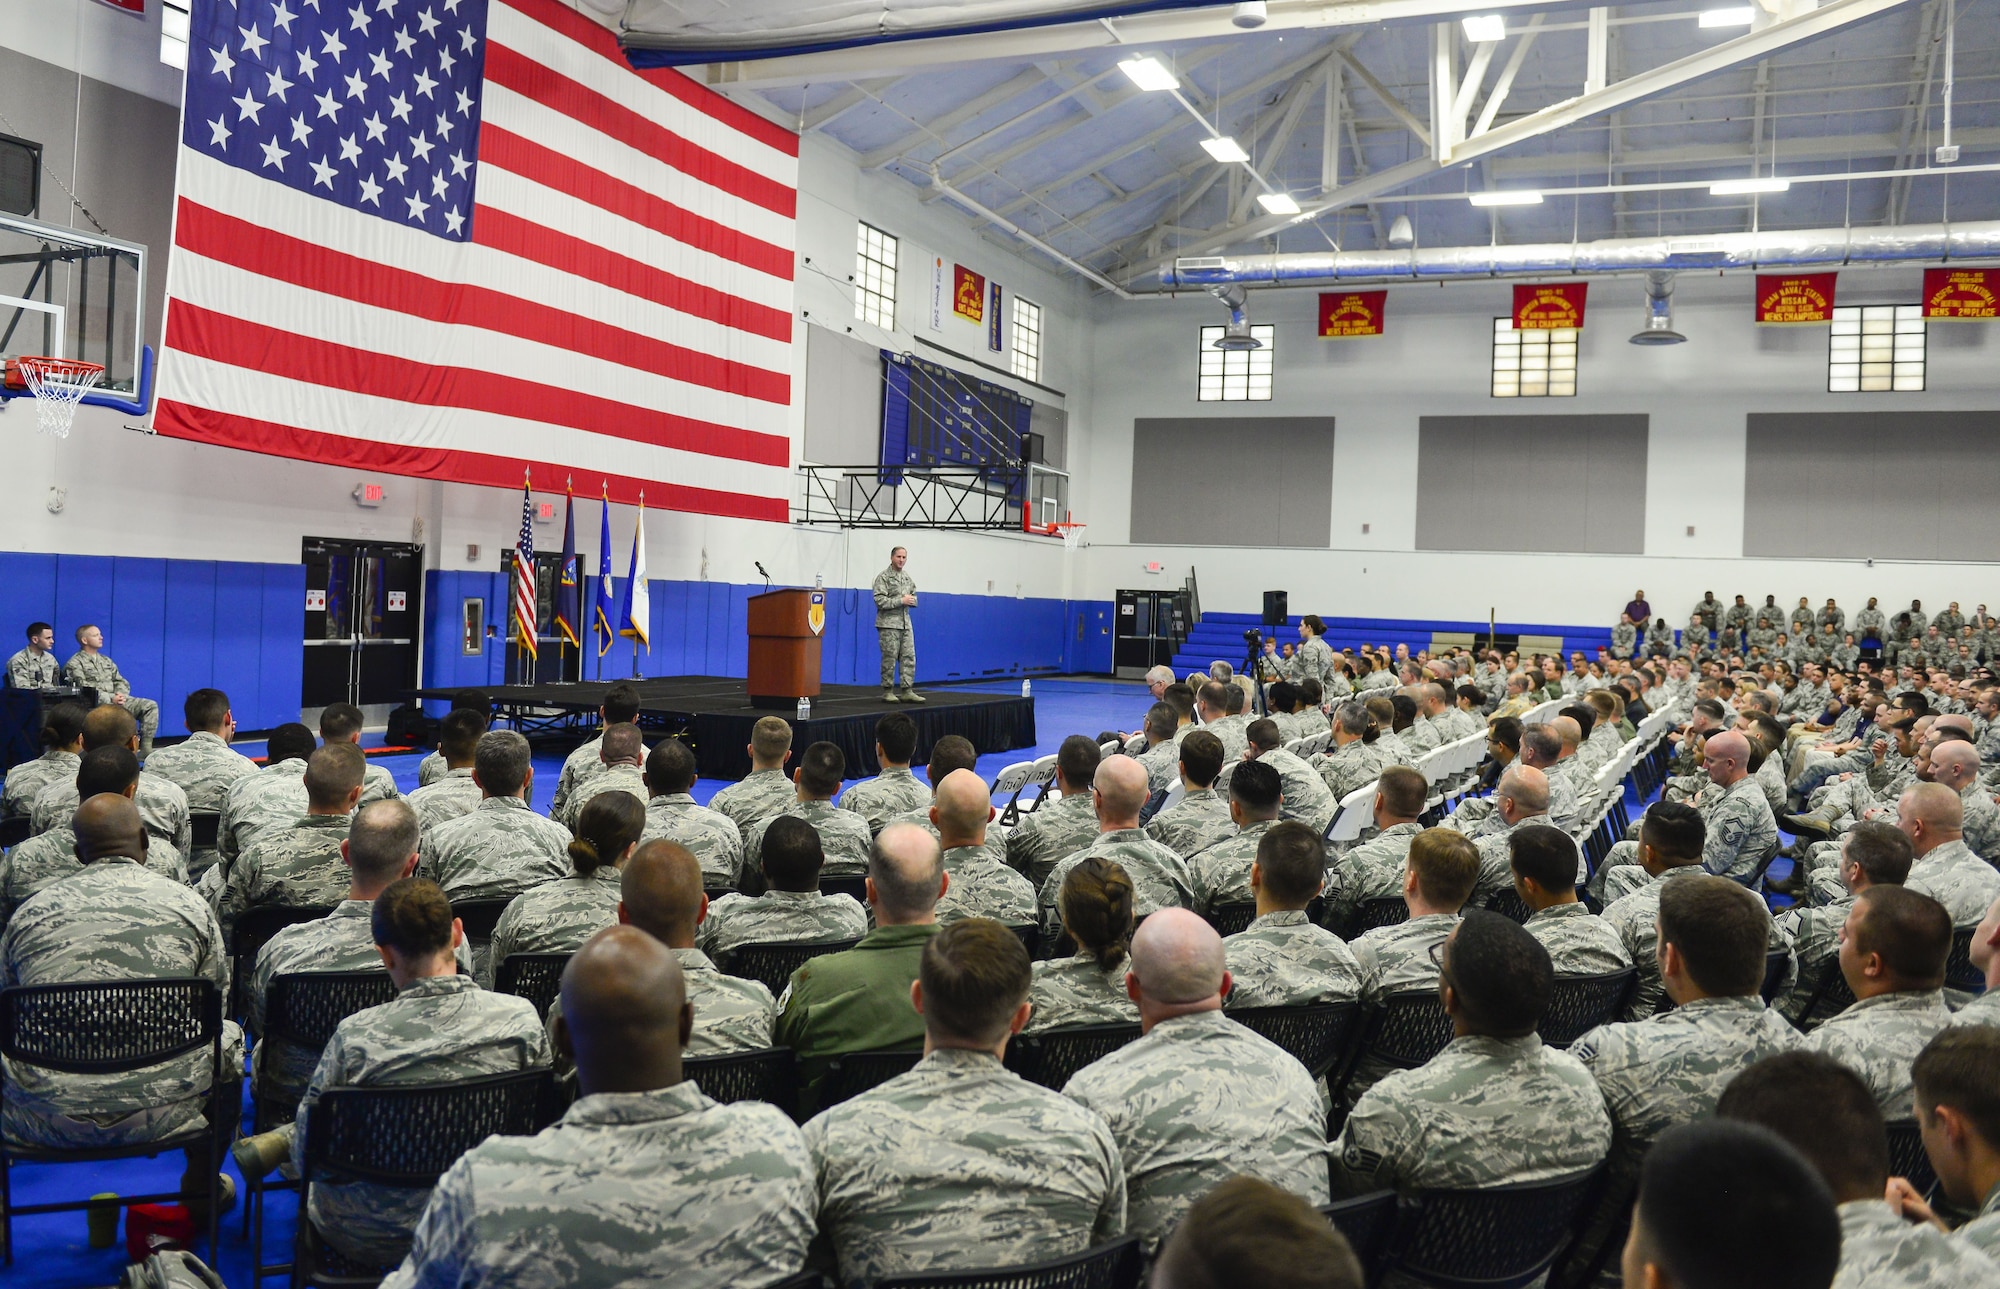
[{"x": 1434, "y": 360}]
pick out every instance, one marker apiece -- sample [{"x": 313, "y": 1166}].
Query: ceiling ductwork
[
  {"x": 1659, "y": 328},
  {"x": 1806, "y": 248},
  {"x": 1237, "y": 334}
]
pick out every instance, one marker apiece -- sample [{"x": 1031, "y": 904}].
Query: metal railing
[{"x": 961, "y": 497}]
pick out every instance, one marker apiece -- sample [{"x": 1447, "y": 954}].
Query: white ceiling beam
[
  {"x": 1444, "y": 86},
  {"x": 1389, "y": 100},
  {"x": 1282, "y": 121},
  {"x": 854, "y": 96},
  {"x": 1505, "y": 85},
  {"x": 1917, "y": 107},
  {"x": 1006, "y": 91},
  {"x": 1716, "y": 156}
]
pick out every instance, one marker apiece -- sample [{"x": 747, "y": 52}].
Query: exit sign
[
  {"x": 368, "y": 494},
  {"x": 545, "y": 512}
]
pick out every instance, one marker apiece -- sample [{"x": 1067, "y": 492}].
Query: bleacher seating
[{"x": 1220, "y": 636}]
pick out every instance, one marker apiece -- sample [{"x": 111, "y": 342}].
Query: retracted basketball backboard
[{"x": 73, "y": 294}]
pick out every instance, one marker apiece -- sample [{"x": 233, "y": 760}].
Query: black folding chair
[
  {"x": 1383, "y": 910},
  {"x": 536, "y": 977},
  {"x": 1118, "y": 1265},
  {"x": 1830, "y": 994},
  {"x": 1579, "y": 1004},
  {"x": 854, "y": 884},
  {"x": 479, "y": 917},
  {"x": 1404, "y": 1029},
  {"x": 112, "y": 1027},
  {"x": 14, "y": 830},
  {"x": 403, "y": 1136},
  {"x": 1052, "y": 1056},
  {"x": 769, "y": 1074},
  {"x": 204, "y": 825},
  {"x": 1317, "y": 1034},
  {"x": 1228, "y": 919},
  {"x": 1496, "y": 1237},
  {"x": 252, "y": 932},
  {"x": 1367, "y": 1221},
  {"x": 774, "y": 963},
  {"x": 301, "y": 1009},
  {"x": 1774, "y": 973},
  {"x": 1031, "y": 939},
  {"x": 1507, "y": 902},
  {"x": 1959, "y": 973},
  {"x": 1907, "y": 1157},
  {"x": 852, "y": 1073}
]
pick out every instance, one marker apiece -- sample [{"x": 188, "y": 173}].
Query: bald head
[
  {"x": 1121, "y": 791},
  {"x": 905, "y": 876},
  {"x": 625, "y": 1014},
  {"x": 660, "y": 893},
  {"x": 1568, "y": 731},
  {"x": 960, "y": 807},
  {"x": 107, "y": 826},
  {"x": 1955, "y": 764},
  {"x": 1727, "y": 756},
  {"x": 1523, "y": 791},
  {"x": 1177, "y": 966},
  {"x": 1930, "y": 815}
]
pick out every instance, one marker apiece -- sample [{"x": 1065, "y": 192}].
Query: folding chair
[
  {"x": 1318, "y": 1035},
  {"x": 1118, "y": 1265},
  {"x": 769, "y": 1074},
  {"x": 1053, "y": 1055},
  {"x": 536, "y": 977},
  {"x": 1367, "y": 1221},
  {"x": 852, "y": 1073},
  {"x": 1496, "y": 1237},
  {"x": 1405, "y": 1029},
  {"x": 1012, "y": 781},
  {"x": 1579, "y": 1004},
  {"x": 774, "y": 963},
  {"x": 252, "y": 932}
]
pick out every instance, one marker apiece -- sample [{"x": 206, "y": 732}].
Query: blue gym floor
[{"x": 53, "y": 1250}]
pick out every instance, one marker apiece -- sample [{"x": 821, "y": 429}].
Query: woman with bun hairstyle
[
  {"x": 558, "y": 916},
  {"x": 1096, "y": 904}
]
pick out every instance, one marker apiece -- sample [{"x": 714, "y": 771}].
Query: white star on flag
[
  {"x": 250, "y": 107},
  {"x": 282, "y": 18},
  {"x": 224, "y": 64},
  {"x": 453, "y": 221},
  {"x": 370, "y": 190},
  {"x": 420, "y": 148},
  {"x": 349, "y": 149},
  {"x": 301, "y": 132},
  {"x": 356, "y": 87},
  {"x": 253, "y": 43},
  {"x": 307, "y": 64},
  {"x": 277, "y": 85},
  {"x": 323, "y": 173},
  {"x": 427, "y": 21},
  {"x": 273, "y": 154},
  {"x": 417, "y": 207},
  {"x": 405, "y": 42},
  {"x": 377, "y": 131},
  {"x": 329, "y": 106},
  {"x": 334, "y": 46},
  {"x": 218, "y": 133},
  {"x": 361, "y": 19}
]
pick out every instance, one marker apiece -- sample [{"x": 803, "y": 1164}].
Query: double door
[
  {"x": 1148, "y": 632},
  {"x": 364, "y": 601}
]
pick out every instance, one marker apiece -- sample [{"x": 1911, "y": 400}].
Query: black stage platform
[{"x": 715, "y": 715}]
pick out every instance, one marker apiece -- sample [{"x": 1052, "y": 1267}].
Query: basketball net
[{"x": 58, "y": 385}]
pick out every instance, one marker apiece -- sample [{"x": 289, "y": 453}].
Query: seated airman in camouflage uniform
[
  {"x": 1161, "y": 755},
  {"x": 843, "y": 833},
  {"x": 672, "y": 815},
  {"x": 979, "y": 885},
  {"x": 1281, "y": 959},
  {"x": 117, "y": 920},
  {"x": 792, "y": 911},
  {"x": 623, "y": 755},
  {"x": 1201, "y": 817},
  {"x": 437, "y": 765},
  {"x": 1739, "y": 827},
  {"x": 341, "y": 723},
  {"x": 1353, "y": 762},
  {"x": 1496, "y": 1107},
  {"x": 91, "y": 668},
  {"x": 162, "y": 806},
  {"x": 1872, "y": 854},
  {"x": 1955, "y": 764},
  {"x": 1199, "y": 1097},
  {"x": 1954, "y": 1071},
  {"x": 1376, "y": 868},
  {"x": 35, "y": 666},
  {"x": 1089, "y": 987},
  {"x": 950, "y": 753},
  {"x": 895, "y": 790},
  {"x": 1825, "y": 1111},
  {"x": 274, "y": 796},
  {"x": 202, "y": 766},
  {"x": 62, "y": 745},
  {"x": 558, "y": 916},
  {"x": 1304, "y": 793},
  {"x": 452, "y": 793},
  {"x": 1061, "y": 827},
  {"x": 1897, "y": 941},
  {"x": 768, "y": 790},
  {"x": 644, "y": 1178},
  {"x": 50, "y": 857},
  {"x": 1945, "y": 868},
  {"x": 300, "y": 866},
  {"x": 1159, "y": 876},
  {"x": 1579, "y": 943},
  {"x": 1215, "y": 703},
  {"x": 1521, "y": 799},
  {"x": 621, "y": 707},
  {"x": 1221, "y": 874},
  {"x": 923, "y": 1174}
]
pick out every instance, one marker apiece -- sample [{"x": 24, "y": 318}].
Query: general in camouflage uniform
[
  {"x": 88, "y": 668},
  {"x": 204, "y": 768},
  {"x": 1056, "y": 830},
  {"x": 781, "y": 917},
  {"x": 300, "y": 866},
  {"x": 1484, "y": 1112},
  {"x": 660, "y": 1186},
  {"x": 451, "y": 795},
  {"x": 1373, "y": 870},
  {"x": 960, "y": 1164},
  {"x": 1195, "y": 822},
  {"x": 893, "y": 792},
  {"x": 1080, "y": 991},
  {"x": 1283, "y": 960},
  {"x": 116, "y": 920},
  {"x": 709, "y": 835},
  {"x": 26, "y": 780},
  {"x": 1579, "y": 942},
  {"x": 555, "y": 917},
  {"x": 895, "y": 592},
  {"x": 1221, "y": 874},
  {"x": 1159, "y": 876},
  {"x": 762, "y": 795},
  {"x": 163, "y": 809},
  {"x": 272, "y": 797},
  {"x": 843, "y": 835},
  {"x": 1879, "y": 1037},
  {"x": 984, "y": 887},
  {"x": 437, "y": 1029},
  {"x": 1199, "y": 1099},
  {"x": 48, "y": 858}
]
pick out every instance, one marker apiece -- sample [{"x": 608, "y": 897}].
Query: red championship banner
[
  {"x": 1549, "y": 307},
  {"x": 968, "y": 296},
  {"x": 1351, "y": 313},
  {"x": 1964, "y": 294},
  {"x": 1795, "y": 299}
]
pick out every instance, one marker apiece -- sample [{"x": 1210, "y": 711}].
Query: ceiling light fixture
[
  {"x": 1149, "y": 73},
  {"x": 1744, "y": 187},
  {"x": 1225, "y": 149},
  {"x": 1508, "y": 197},
  {"x": 1733, "y": 17},
  {"x": 1278, "y": 203},
  {"x": 1484, "y": 28}
]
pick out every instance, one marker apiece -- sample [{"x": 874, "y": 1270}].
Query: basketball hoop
[
  {"x": 58, "y": 386},
  {"x": 1071, "y": 533}
]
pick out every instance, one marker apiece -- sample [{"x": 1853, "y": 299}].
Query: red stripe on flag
[
  {"x": 504, "y": 231},
  {"x": 185, "y": 421},
  {"x": 551, "y": 169},
  {"x": 272, "y": 254},
  {"x": 205, "y": 333},
  {"x": 701, "y": 98},
  {"x": 608, "y": 117}
]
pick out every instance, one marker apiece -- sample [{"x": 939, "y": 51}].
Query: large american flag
[{"x": 449, "y": 238}]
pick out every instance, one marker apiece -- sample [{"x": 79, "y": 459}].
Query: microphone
[{"x": 760, "y": 568}]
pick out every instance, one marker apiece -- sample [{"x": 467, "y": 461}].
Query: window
[
  {"x": 875, "y": 277},
  {"x": 174, "y": 33},
  {"x": 1533, "y": 364},
  {"x": 1236, "y": 375},
  {"x": 1876, "y": 348},
  {"x": 1027, "y": 328}
]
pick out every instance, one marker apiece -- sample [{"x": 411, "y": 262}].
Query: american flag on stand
[
  {"x": 448, "y": 237},
  {"x": 524, "y": 578}
]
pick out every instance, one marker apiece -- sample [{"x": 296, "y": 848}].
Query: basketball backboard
[{"x": 69, "y": 293}]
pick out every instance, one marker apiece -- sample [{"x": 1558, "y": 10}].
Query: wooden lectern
[{"x": 784, "y": 647}]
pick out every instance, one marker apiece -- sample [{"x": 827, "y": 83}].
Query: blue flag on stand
[
  {"x": 603, "y": 598},
  {"x": 569, "y": 582}
]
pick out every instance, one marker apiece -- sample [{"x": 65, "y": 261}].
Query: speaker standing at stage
[{"x": 895, "y": 595}]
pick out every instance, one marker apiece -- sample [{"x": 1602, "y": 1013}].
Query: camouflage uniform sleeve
[
  {"x": 1370, "y": 1152},
  {"x": 442, "y": 1245}
]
